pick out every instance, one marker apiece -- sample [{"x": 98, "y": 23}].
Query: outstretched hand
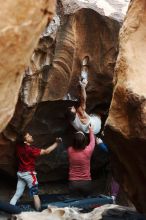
[
  {"x": 98, "y": 140},
  {"x": 83, "y": 83},
  {"x": 59, "y": 140}
]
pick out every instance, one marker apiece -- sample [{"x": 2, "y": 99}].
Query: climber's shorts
[
  {"x": 33, "y": 190},
  {"x": 31, "y": 180}
]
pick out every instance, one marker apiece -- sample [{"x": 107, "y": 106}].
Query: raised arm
[
  {"x": 83, "y": 95},
  {"x": 92, "y": 138},
  {"x": 51, "y": 147}
]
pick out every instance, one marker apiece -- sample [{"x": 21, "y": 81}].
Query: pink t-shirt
[{"x": 79, "y": 161}]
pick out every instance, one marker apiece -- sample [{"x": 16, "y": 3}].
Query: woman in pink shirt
[{"x": 79, "y": 163}]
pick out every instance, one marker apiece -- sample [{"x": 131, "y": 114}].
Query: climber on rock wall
[
  {"x": 78, "y": 117},
  {"x": 26, "y": 174}
]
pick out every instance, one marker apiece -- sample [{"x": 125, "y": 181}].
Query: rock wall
[
  {"x": 21, "y": 23},
  {"x": 110, "y": 8},
  {"x": 59, "y": 63},
  {"x": 126, "y": 124},
  {"x": 53, "y": 73},
  {"x": 76, "y": 39}
]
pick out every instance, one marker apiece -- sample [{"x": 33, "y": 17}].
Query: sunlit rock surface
[
  {"x": 115, "y": 9},
  {"x": 105, "y": 212},
  {"x": 126, "y": 124},
  {"x": 21, "y": 23}
]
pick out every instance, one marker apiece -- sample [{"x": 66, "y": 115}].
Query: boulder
[
  {"x": 75, "y": 39},
  {"x": 105, "y": 212},
  {"x": 58, "y": 77},
  {"x": 21, "y": 23},
  {"x": 56, "y": 62},
  {"x": 48, "y": 122},
  {"x": 110, "y": 8},
  {"x": 126, "y": 125}
]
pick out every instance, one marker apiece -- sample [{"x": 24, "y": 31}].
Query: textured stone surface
[
  {"x": 126, "y": 124},
  {"x": 111, "y": 8},
  {"x": 47, "y": 123},
  {"x": 7, "y": 156},
  {"x": 105, "y": 212},
  {"x": 32, "y": 86},
  {"x": 21, "y": 23},
  {"x": 59, "y": 76},
  {"x": 76, "y": 39},
  {"x": 56, "y": 62},
  {"x": 54, "y": 72}
]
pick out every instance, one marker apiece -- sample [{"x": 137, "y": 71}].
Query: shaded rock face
[
  {"x": 47, "y": 123},
  {"x": 126, "y": 124},
  {"x": 52, "y": 80},
  {"x": 19, "y": 33},
  {"x": 76, "y": 39},
  {"x": 7, "y": 156},
  {"x": 99, "y": 43},
  {"x": 32, "y": 87}
]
